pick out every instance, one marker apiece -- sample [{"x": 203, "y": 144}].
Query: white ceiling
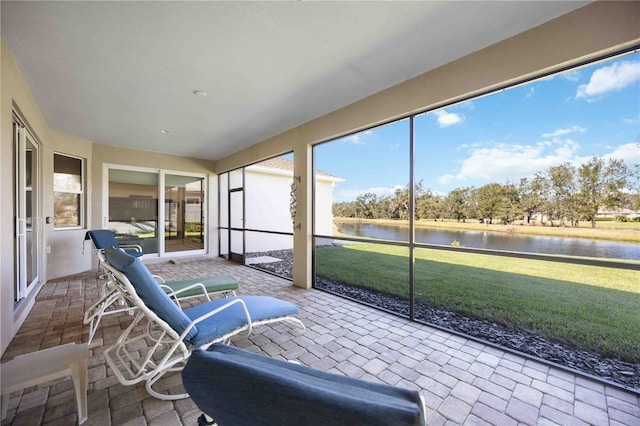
[{"x": 119, "y": 72}]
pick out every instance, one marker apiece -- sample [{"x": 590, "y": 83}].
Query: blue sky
[{"x": 502, "y": 137}]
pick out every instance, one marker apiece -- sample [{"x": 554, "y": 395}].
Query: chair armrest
[
  {"x": 131, "y": 247},
  {"x": 175, "y": 294}
]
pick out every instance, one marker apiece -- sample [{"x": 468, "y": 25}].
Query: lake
[{"x": 498, "y": 241}]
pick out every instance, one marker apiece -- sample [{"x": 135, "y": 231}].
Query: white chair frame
[
  {"x": 111, "y": 295},
  {"x": 168, "y": 351}
]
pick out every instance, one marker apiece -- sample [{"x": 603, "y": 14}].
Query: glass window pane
[
  {"x": 372, "y": 168},
  {"x": 270, "y": 252},
  {"x": 235, "y": 179},
  {"x": 223, "y": 199},
  {"x": 546, "y": 167},
  {"x": 497, "y": 297},
  {"x": 67, "y": 182},
  {"x": 66, "y": 209},
  {"x": 67, "y": 173},
  {"x": 68, "y": 187},
  {"x": 224, "y": 243},
  {"x": 374, "y": 274},
  {"x": 133, "y": 208},
  {"x": 183, "y": 213},
  {"x": 267, "y": 191}
]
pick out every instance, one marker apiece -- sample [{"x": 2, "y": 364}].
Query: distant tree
[
  {"x": 562, "y": 191},
  {"x": 455, "y": 203},
  {"x": 497, "y": 201},
  {"x": 532, "y": 195},
  {"x": 509, "y": 208},
  {"x": 366, "y": 206},
  {"x": 601, "y": 184},
  {"x": 384, "y": 208},
  {"x": 429, "y": 205},
  {"x": 489, "y": 198},
  {"x": 631, "y": 201},
  {"x": 399, "y": 205},
  {"x": 344, "y": 209}
]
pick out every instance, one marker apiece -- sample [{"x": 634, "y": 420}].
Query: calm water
[{"x": 498, "y": 241}]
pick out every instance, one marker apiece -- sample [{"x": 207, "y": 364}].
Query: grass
[{"x": 590, "y": 307}]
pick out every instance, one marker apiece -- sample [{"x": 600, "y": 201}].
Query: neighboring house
[
  {"x": 612, "y": 214},
  {"x": 268, "y": 198}
]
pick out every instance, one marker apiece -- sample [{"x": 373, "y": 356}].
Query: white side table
[{"x": 48, "y": 364}]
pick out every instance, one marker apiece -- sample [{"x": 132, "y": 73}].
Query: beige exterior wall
[
  {"x": 14, "y": 95},
  {"x": 588, "y": 33},
  {"x": 66, "y": 255}
]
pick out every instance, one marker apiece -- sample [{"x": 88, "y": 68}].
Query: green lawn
[{"x": 591, "y": 307}]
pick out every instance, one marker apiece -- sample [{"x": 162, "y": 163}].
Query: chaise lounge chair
[
  {"x": 110, "y": 296},
  {"x": 174, "y": 332},
  {"x": 237, "y": 387}
]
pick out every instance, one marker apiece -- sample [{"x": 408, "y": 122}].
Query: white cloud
[
  {"x": 530, "y": 92},
  {"x": 445, "y": 179},
  {"x": 446, "y": 119},
  {"x": 359, "y": 138},
  {"x": 572, "y": 76},
  {"x": 629, "y": 152},
  {"x": 468, "y": 105},
  {"x": 610, "y": 78},
  {"x": 561, "y": 132},
  {"x": 499, "y": 162}
]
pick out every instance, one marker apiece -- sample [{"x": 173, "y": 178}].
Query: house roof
[
  {"x": 286, "y": 165},
  {"x": 118, "y": 73}
]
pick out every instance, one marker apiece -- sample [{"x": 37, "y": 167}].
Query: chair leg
[
  {"x": 205, "y": 420},
  {"x": 163, "y": 396}
]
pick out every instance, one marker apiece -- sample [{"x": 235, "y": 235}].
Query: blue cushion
[
  {"x": 260, "y": 308},
  {"x": 104, "y": 238},
  {"x": 149, "y": 291},
  {"x": 237, "y": 387},
  {"x": 101, "y": 238}
]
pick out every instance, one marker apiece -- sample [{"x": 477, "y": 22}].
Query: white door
[{"x": 28, "y": 224}]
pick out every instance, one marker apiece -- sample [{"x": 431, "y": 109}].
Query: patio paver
[{"x": 462, "y": 381}]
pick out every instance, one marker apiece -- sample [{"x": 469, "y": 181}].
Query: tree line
[{"x": 561, "y": 195}]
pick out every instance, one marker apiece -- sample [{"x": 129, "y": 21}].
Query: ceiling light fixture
[
  {"x": 165, "y": 131},
  {"x": 200, "y": 93}
]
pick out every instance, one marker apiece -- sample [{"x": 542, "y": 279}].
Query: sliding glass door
[
  {"x": 28, "y": 225},
  {"x": 183, "y": 213},
  {"x": 133, "y": 208},
  {"x": 156, "y": 210}
]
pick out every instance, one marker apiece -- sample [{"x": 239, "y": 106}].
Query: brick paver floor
[{"x": 462, "y": 381}]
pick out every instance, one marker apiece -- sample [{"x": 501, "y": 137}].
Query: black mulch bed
[{"x": 524, "y": 341}]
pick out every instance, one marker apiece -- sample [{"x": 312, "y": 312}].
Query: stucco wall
[
  {"x": 15, "y": 95},
  {"x": 268, "y": 195}
]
